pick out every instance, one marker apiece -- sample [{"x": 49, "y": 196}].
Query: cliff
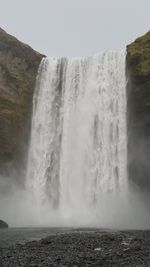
[
  {"x": 18, "y": 68},
  {"x": 138, "y": 106}
]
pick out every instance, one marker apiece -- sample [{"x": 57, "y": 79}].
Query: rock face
[
  {"x": 3, "y": 224},
  {"x": 138, "y": 106},
  {"x": 18, "y": 68}
]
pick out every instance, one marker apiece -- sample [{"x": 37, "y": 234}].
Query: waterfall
[{"x": 77, "y": 153}]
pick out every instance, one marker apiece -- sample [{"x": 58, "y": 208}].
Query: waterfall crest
[{"x": 77, "y": 153}]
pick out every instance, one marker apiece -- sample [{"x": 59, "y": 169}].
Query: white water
[{"x": 77, "y": 156}]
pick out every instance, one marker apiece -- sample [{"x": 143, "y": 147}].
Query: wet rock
[
  {"x": 136, "y": 244},
  {"x": 107, "y": 238},
  {"x": 45, "y": 241},
  {"x": 3, "y": 224}
]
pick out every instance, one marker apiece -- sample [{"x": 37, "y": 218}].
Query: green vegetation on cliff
[{"x": 138, "y": 58}]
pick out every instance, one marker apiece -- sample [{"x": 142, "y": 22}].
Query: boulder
[{"x": 3, "y": 224}]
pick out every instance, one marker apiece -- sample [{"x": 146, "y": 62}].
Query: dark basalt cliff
[
  {"x": 18, "y": 68},
  {"x": 138, "y": 106}
]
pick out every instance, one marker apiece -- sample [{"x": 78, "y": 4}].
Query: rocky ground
[{"x": 81, "y": 248}]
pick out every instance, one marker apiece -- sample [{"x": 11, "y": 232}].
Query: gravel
[{"x": 81, "y": 248}]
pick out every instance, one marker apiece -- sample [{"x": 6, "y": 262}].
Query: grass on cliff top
[
  {"x": 140, "y": 45},
  {"x": 139, "y": 53}
]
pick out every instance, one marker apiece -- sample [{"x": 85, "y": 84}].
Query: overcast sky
[{"x": 75, "y": 27}]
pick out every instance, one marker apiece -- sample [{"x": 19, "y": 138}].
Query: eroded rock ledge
[{"x": 18, "y": 68}]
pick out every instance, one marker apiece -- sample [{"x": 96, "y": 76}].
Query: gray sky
[{"x": 75, "y": 27}]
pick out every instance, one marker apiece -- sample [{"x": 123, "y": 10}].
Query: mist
[{"x": 127, "y": 210}]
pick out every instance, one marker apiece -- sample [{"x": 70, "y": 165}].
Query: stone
[
  {"x": 107, "y": 238},
  {"x": 3, "y": 224},
  {"x": 45, "y": 241}
]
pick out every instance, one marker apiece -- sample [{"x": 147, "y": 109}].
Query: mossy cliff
[
  {"x": 18, "y": 68},
  {"x": 138, "y": 106}
]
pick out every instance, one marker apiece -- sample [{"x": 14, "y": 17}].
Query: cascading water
[{"x": 77, "y": 153}]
